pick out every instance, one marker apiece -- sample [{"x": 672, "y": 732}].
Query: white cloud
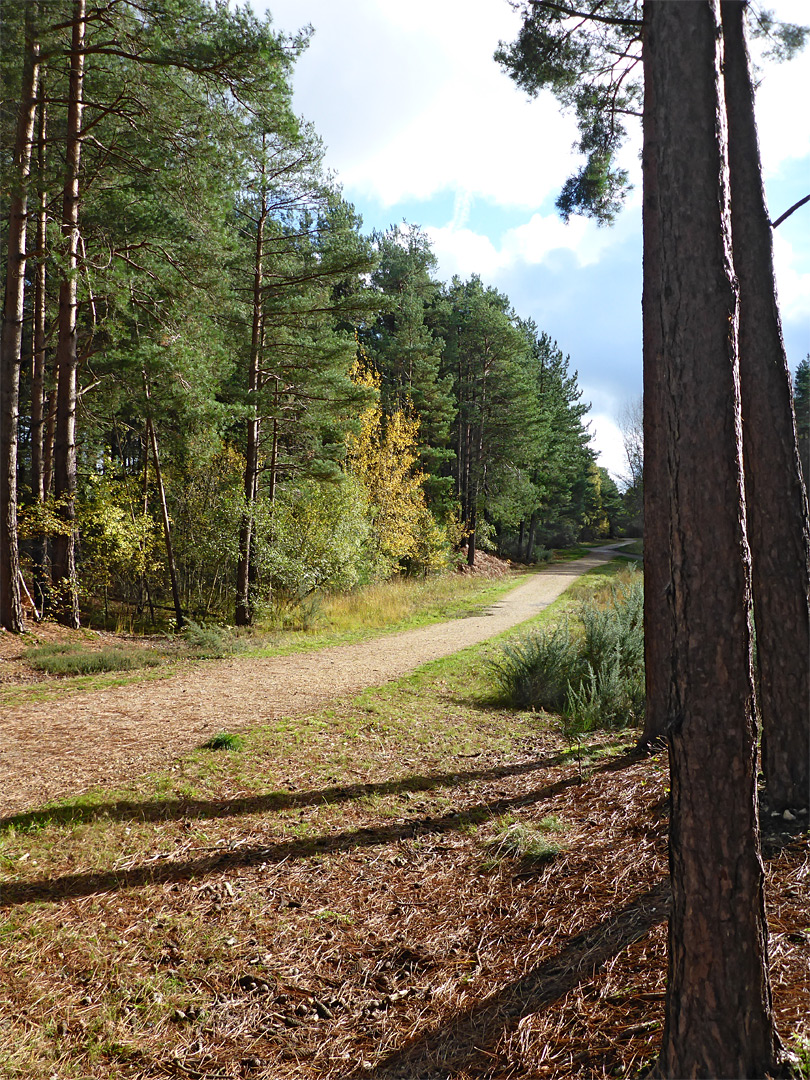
[
  {"x": 410, "y": 102},
  {"x": 609, "y": 444},
  {"x": 462, "y": 251},
  {"x": 784, "y": 129},
  {"x": 794, "y": 285}
]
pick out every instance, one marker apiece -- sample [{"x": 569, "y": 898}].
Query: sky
[{"x": 421, "y": 125}]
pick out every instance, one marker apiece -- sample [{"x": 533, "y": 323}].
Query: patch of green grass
[
  {"x": 225, "y": 741},
  {"x": 636, "y": 548},
  {"x": 579, "y": 551},
  {"x": 79, "y": 660},
  {"x": 334, "y": 916},
  {"x": 514, "y": 839}
]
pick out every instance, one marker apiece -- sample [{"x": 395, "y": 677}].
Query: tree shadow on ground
[
  {"x": 467, "y": 1043},
  {"x": 270, "y": 802},
  {"x": 162, "y": 869}
]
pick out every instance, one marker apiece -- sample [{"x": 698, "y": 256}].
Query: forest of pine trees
[{"x": 197, "y": 331}]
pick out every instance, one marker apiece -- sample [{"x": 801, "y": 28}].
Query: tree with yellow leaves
[{"x": 383, "y": 456}]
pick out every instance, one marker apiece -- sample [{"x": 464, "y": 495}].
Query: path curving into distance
[{"x": 58, "y": 748}]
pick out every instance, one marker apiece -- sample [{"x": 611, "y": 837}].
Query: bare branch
[{"x": 792, "y": 210}]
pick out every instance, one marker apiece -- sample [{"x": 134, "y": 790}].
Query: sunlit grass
[{"x": 403, "y": 600}]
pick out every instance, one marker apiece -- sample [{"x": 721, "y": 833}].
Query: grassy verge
[
  {"x": 388, "y": 607},
  {"x": 74, "y": 659},
  {"x": 83, "y": 662},
  {"x": 636, "y": 548},
  {"x": 413, "y": 867}
]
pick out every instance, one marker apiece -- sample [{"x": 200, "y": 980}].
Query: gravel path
[{"x": 54, "y": 749}]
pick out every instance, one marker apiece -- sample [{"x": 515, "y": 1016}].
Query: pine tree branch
[{"x": 589, "y": 16}]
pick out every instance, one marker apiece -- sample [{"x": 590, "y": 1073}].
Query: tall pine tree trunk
[
  {"x": 778, "y": 529},
  {"x": 243, "y": 615},
  {"x": 38, "y": 367},
  {"x": 63, "y": 567},
  {"x": 656, "y": 540},
  {"x": 718, "y": 1008},
  {"x": 11, "y": 342}
]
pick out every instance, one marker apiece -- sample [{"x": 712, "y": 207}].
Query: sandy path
[{"x": 53, "y": 749}]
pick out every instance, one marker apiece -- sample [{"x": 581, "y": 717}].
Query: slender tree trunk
[
  {"x": 657, "y": 644},
  {"x": 50, "y": 435},
  {"x": 63, "y": 564},
  {"x": 718, "y": 1007},
  {"x": 145, "y": 511},
  {"x": 38, "y": 396},
  {"x": 778, "y": 528},
  {"x": 471, "y": 539},
  {"x": 243, "y": 615},
  {"x": 273, "y": 477},
  {"x": 167, "y": 529},
  {"x": 530, "y": 537},
  {"x": 11, "y": 616}
]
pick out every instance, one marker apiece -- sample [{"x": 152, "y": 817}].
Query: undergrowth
[
  {"x": 76, "y": 659},
  {"x": 588, "y": 668}
]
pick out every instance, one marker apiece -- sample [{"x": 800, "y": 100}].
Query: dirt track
[{"x": 53, "y": 749}]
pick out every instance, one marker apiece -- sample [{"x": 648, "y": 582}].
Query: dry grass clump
[
  {"x": 77, "y": 659},
  {"x": 401, "y": 599}
]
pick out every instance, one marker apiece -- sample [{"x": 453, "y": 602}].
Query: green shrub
[
  {"x": 209, "y": 642},
  {"x": 800, "y": 1046},
  {"x": 76, "y": 660},
  {"x": 317, "y": 539},
  {"x": 535, "y": 671},
  {"x": 591, "y": 673}
]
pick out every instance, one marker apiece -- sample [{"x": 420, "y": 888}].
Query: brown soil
[{"x": 54, "y": 749}]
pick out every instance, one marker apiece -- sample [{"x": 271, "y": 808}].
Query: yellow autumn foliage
[{"x": 383, "y": 457}]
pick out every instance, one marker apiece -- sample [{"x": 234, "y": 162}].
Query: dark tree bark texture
[
  {"x": 778, "y": 529},
  {"x": 66, "y": 600},
  {"x": 244, "y": 606},
  {"x": 718, "y": 1006},
  {"x": 656, "y": 565}
]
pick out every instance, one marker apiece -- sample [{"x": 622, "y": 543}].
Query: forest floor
[{"x": 411, "y": 882}]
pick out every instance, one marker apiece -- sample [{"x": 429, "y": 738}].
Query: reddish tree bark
[
  {"x": 11, "y": 616},
  {"x": 657, "y": 642},
  {"x": 718, "y": 1005},
  {"x": 778, "y": 528},
  {"x": 38, "y": 367}
]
